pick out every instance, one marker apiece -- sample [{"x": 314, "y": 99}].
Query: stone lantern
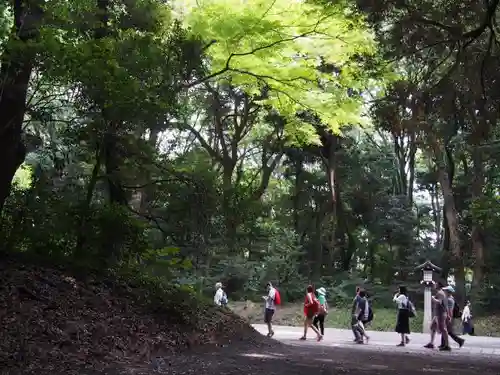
[{"x": 428, "y": 269}]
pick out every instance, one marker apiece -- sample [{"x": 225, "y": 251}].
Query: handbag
[{"x": 322, "y": 310}]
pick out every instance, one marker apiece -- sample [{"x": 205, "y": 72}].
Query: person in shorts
[
  {"x": 360, "y": 316},
  {"x": 270, "y": 308},
  {"x": 449, "y": 290},
  {"x": 440, "y": 318}
]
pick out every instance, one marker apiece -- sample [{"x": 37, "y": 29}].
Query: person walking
[
  {"x": 449, "y": 290},
  {"x": 440, "y": 312},
  {"x": 363, "y": 315},
  {"x": 319, "y": 319},
  {"x": 467, "y": 327},
  {"x": 358, "y": 337},
  {"x": 311, "y": 308},
  {"x": 220, "y": 297},
  {"x": 403, "y": 317},
  {"x": 270, "y": 308}
]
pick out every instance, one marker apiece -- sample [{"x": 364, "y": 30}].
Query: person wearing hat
[
  {"x": 449, "y": 290},
  {"x": 323, "y": 310},
  {"x": 440, "y": 315}
]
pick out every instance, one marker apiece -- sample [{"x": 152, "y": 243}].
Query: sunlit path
[{"x": 383, "y": 341}]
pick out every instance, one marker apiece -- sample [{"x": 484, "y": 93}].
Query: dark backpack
[
  {"x": 370, "y": 313},
  {"x": 223, "y": 300},
  {"x": 412, "y": 312},
  {"x": 456, "y": 311}
]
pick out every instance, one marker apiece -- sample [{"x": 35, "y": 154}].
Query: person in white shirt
[
  {"x": 467, "y": 320},
  {"x": 403, "y": 320},
  {"x": 219, "y": 294},
  {"x": 270, "y": 308}
]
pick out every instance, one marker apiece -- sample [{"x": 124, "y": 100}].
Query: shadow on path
[
  {"x": 307, "y": 360},
  {"x": 270, "y": 357}
]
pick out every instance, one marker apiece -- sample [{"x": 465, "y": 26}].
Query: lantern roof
[{"x": 428, "y": 266}]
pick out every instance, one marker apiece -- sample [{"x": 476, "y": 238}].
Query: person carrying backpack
[
  {"x": 405, "y": 310},
  {"x": 453, "y": 313},
  {"x": 272, "y": 299},
  {"x": 311, "y": 308},
  {"x": 220, "y": 297},
  {"x": 361, "y": 316}
]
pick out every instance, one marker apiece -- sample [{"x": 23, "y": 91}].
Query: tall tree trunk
[
  {"x": 112, "y": 164},
  {"x": 16, "y": 67},
  {"x": 400, "y": 152},
  {"x": 372, "y": 248},
  {"x": 111, "y": 155},
  {"x": 411, "y": 168},
  {"x": 298, "y": 193},
  {"x": 147, "y": 191},
  {"x": 228, "y": 206},
  {"x": 328, "y": 152},
  {"x": 476, "y": 235},
  {"x": 450, "y": 212}
]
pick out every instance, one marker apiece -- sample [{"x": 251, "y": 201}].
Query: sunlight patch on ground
[{"x": 260, "y": 355}]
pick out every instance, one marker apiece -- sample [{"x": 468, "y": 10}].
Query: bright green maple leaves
[{"x": 280, "y": 44}]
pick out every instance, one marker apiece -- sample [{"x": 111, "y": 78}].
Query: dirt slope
[{"x": 54, "y": 323}]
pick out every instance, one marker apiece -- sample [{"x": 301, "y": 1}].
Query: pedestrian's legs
[
  {"x": 270, "y": 328},
  {"x": 355, "y": 329},
  {"x": 306, "y": 326},
  {"x": 268, "y": 319},
  {"x": 451, "y": 332},
  {"x": 445, "y": 341},
  {"x": 434, "y": 327},
  {"x": 316, "y": 321},
  {"x": 402, "y": 343},
  {"x": 309, "y": 323},
  {"x": 361, "y": 331},
  {"x": 322, "y": 324}
]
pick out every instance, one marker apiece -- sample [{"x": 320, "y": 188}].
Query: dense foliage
[{"x": 221, "y": 140}]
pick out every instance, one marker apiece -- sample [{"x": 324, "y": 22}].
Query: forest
[{"x": 330, "y": 142}]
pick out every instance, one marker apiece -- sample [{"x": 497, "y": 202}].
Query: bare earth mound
[{"x": 54, "y": 323}]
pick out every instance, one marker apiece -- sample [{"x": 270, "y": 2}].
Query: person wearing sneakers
[
  {"x": 449, "y": 290},
  {"x": 323, "y": 311},
  {"x": 440, "y": 312},
  {"x": 270, "y": 308}
]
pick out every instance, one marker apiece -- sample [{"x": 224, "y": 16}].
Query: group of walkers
[
  {"x": 444, "y": 311},
  {"x": 316, "y": 310}
]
